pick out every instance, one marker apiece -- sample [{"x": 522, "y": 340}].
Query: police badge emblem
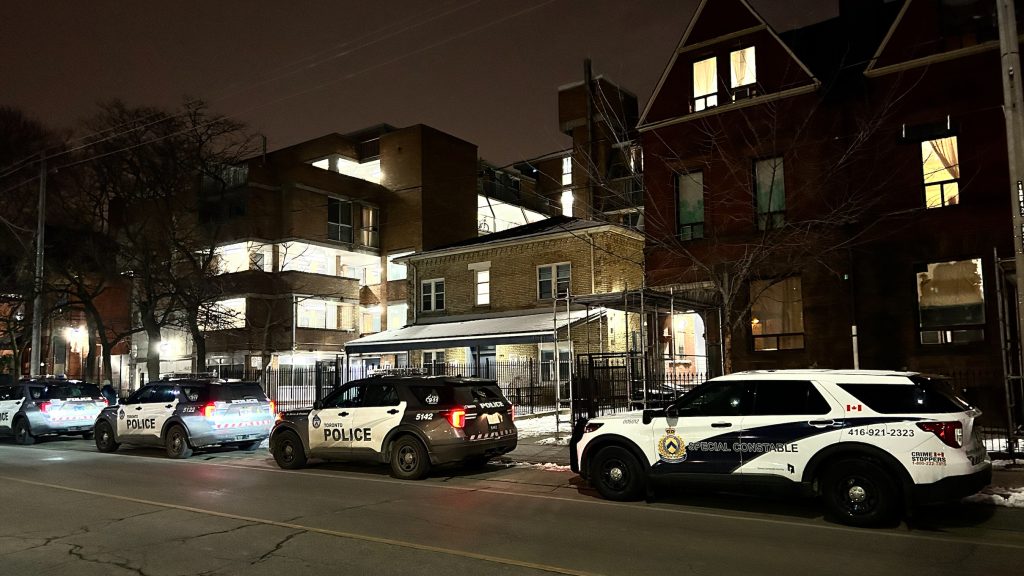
[
  {"x": 121, "y": 414},
  {"x": 316, "y": 421},
  {"x": 671, "y": 448}
]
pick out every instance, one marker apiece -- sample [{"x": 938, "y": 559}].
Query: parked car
[
  {"x": 866, "y": 442},
  {"x": 48, "y": 406},
  {"x": 408, "y": 422},
  {"x": 187, "y": 414}
]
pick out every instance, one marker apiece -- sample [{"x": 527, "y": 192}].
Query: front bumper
[{"x": 953, "y": 487}]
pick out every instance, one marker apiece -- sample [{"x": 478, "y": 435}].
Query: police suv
[
  {"x": 867, "y": 442},
  {"x": 188, "y": 413},
  {"x": 44, "y": 406},
  {"x": 409, "y": 422}
]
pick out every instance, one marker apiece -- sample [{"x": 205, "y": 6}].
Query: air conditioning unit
[{"x": 743, "y": 92}]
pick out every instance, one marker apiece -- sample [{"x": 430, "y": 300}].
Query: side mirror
[
  {"x": 651, "y": 413},
  {"x": 317, "y": 404},
  {"x": 672, "y": 412}
]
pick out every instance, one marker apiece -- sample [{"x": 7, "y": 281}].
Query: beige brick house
[{"x": 509, "y": 298}]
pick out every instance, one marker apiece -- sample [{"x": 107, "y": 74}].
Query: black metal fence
[{"x": 613, "y": 382}]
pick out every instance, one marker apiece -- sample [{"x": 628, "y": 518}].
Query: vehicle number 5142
[{"x": 425, "y": 416}]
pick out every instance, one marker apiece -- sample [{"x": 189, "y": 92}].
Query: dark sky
[{"x": 486, "y": 71}]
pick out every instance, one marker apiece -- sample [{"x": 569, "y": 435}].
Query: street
[{"x": 70, "y": 510}]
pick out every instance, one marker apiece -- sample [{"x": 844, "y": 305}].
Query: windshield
[{"x": 70, "y": 391}]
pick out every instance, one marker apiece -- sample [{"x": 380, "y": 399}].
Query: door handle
[
  {"x": 138, "y": 407},
  {"x": 168, "y": 405},
  {"x": 721, "y": 425},
  {"x": 342, "y": 413},
  {"x": 392, "y": 411},
  {"x": 823, "y": 423}
]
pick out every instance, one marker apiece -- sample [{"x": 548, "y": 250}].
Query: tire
[
  {"x": 105, "y": 438},
  {"x": 288, "y": 451},
  {"x": 23, "y": 433},
  {"x": 89, "y": 435},
  {"x": 409, "y": 459},
  {"x": 176, "y": 443},
  {"x": 859, "y": 493},
  {"x": 617, "y": 474}
]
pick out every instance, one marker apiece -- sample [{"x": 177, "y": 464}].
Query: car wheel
[
  {"x": 105, "y": 438},
  {"x": 859, "y": 493},
  {"x": 409, "y": 459},
  {"x": 176, "y": 443},
  {"x": 88, "y": 435},
  {"x": 288, "y": 451},
  {"x": 22, "y": 433},
  {"x": 617, "y": 474}
]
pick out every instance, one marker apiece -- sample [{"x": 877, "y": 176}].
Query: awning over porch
[{"x": 531, "y": 328}]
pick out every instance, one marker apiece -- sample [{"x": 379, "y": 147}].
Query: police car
[
  {"x": 409, "y": 422},
  {"x": 44, "y": 406},
  {"x": 867, "y": 442},
  {"x": 185, "y": 414}
]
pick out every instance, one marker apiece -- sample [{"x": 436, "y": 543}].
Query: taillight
[
  {"x": 512, "y": 409},
  {"x": 105, "y": 401},
  {"x": 208, "y": 410},
  {"x": 951, "y": 433},
  {"x": 44, "y": 407},
  {"x": 273, "y": 407},
  {"x": 457, "y": 417}
]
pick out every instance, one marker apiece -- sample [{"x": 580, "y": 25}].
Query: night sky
[{"x": 486, "y": 71}]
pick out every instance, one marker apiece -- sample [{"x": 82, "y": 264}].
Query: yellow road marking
[{"x": 311, "y": 529}]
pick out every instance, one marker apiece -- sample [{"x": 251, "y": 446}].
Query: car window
[
  {"x": 921, "y": 396},
  {"x": 779, "y": 397},
  {"x": 194, "y": 393},
  {"x": 138, "y": 396},
  {"x": 350, "y": 396},
  {"x": 727, "y": 398},
  {"x": 157, "y": 394},
  {"x": 6, "y": 393},
  {"x": 70, "y": 390},
  {"x": 241, "y": 391},
  {"x": 381, "y": 395},
  {"x": 478, "y": 393},
  {"x": 36, "y": 392},
  {"x": 433, "y": 396}
]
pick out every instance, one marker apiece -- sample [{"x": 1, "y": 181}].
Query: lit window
[
  {"x": 346, "y": 317},
  {"x": 770, "y": 193},
  {"x": 690, "y": 191},
  {"x": 567, "y": 201},
  {"x": 483, "y": 287},
  {"x": 397, "y": 271},
  {"x": 312, "y": 314},
  {"x": 567, "y": 171},
  {"x": 552, "y": 280},
  {"x": 777, "y": 314},
  {"x": 705, "y": 84},
  {"x": 397, "y": 315},
  {"x": 225, "y": 314},
  {"x": 369, "y": 235},
  {"x": 339, "y": 220},
  {"x": 432, "y": 293},
  {"x": 940, "y": 163},
  {"x": 951, "y": 302},
  {"x": 744, "y": 67},
  {"x": 369, "y": 319}
]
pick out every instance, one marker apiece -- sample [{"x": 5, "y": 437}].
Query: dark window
[
  {"x": 923, "y": 396},
  {"x": 35, "y": 392},
  {"x": 433, "y": 396},
  {"x": 472, "y": 394},
  {"x": 769, "y": 193},
  {"x": 690, "y": 204},
  {"x": 381, "y": 395},
  {"x": 7, "y": 393},
  {"x": 239, "y": 391},
  {"x": 350, "y": 396},
  {"x": 65, "y": 391},
  {"x": 778, "y": 397},
  {"x": 730, "y": 398},
  {"x": 160, "y": 393},
  {"x": 140, "y": 395},
  {"x": 339, "y": 220},
  {"x": 197, "y": 393}
]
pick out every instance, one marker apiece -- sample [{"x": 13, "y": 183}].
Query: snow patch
[
  {"x": 548, "y": 466},
  {"x": 542, "y": 426},
  {"x": 1002, "y": 464},
  {"x": 552, "y": 441},
  {"x": 998, "y": 496}
]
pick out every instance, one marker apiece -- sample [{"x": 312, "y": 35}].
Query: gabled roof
[{"x": 743, "y": 19}]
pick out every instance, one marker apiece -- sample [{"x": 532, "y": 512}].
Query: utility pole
[
  {"x": 1013, "y": 110},
  {"x": 37, "y": 285}
]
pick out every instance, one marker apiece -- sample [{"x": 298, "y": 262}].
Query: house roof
[
  {"x": 529, "y": 328},
  {"x": 533, "y": 230}
]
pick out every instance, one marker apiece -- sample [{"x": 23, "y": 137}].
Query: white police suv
[{"x": 868, "y": 443}]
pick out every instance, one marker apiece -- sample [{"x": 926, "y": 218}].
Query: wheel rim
[
  {"x": 104, "y": 437},
  {"x": 407, "y": 458},
  {"x": 857, "y": 495},
  {"x": 615, "y": 474},
  {"x": 21, "y": 434},
  {"x": 176, "y": 442},
  {"x": 287, "y": 451}
]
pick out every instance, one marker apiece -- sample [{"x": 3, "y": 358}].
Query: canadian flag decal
[{"x": 853, "y": 408}]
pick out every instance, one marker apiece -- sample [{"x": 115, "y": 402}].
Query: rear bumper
[
  {"x": 456, "y": 452},
  {"x": 41, "y": 425},
  {"x": 952, "y": 488},
  {"x": 242, "y": 434}
]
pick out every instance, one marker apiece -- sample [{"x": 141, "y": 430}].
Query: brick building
[
  {"x": 498, "y": 299},
  {"x": 839, "y": 192}
]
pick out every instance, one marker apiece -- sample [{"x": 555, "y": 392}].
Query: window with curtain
[
  {"x": 777, "y": 314},
  {"x": 743, "y": 66},
  {"x": 705, "y": 84},
  {"x": 769, "y": 193},
  {"x": 483, "y": 287},
  {"x": 940, "y": 163},
  {"x": 690, "y": 204},
  {"x": 369, "y": 235},
  {"x": 951, "y": 302},
  {"x": 567, "y": 171},
  {"x": 553, "y": 280}
]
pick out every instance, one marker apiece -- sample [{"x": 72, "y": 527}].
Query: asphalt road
[{"x": 66, "y": 509}]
